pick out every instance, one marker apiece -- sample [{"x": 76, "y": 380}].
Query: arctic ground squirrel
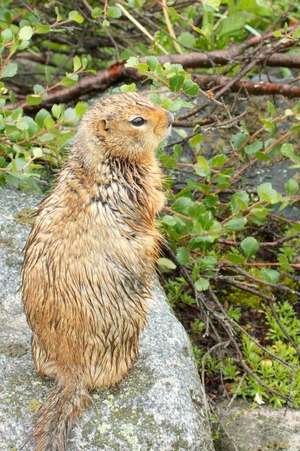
[{"x": 90, "y": 259}]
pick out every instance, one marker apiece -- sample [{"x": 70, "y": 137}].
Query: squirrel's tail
[{"x": 57, "y": 415}]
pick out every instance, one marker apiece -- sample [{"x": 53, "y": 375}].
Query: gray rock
[
  {"x": 160, "y": 406},
  {"x": 261, "y": 428}
]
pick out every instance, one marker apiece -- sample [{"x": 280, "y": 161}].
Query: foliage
[{"x": 219, "y": 229}]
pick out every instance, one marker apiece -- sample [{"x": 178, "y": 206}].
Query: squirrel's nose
[{"x": 170, "y": 119}]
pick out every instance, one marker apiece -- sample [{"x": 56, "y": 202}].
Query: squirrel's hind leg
[{"x": 44, "y": 367}]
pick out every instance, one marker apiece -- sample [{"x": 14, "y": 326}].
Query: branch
[
  {"x": 260, "y": 88},
  {"x": 91, "y": 83}
]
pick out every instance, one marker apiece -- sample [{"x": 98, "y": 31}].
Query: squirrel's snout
[{"x": 170, "y": 119}]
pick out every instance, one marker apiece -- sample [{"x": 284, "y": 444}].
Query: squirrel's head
[{"x": 125, "y": 126}]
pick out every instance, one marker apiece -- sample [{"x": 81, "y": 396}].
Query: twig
[
  {"x": 170, "y": 26},
  {"x": 260, "y": 88},
  {"x": 141, "y": 28}
]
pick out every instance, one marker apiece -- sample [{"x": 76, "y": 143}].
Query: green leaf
[
  {"x": 176, "y": 82},
  {"x": 7, "y": 35},
  {"x": 37, "y": 152},
  {"x": 76, "y": 16},
  {"x": 34, "y": 99},
  {"x": 270, "y": 275},
  {"x": 70, "y": 79},
  {"x": 169, "y": 220},
  {"x": 76, "y": 63},
  {"x": 183, "y": 205},
  {"x": 288, "y": 151},
  {"x": 187, "y": 39},
  {"x": 190, "y": 88},
  {"x": 268, "y": 194},
  {"x": 42, "y": 28},
  {"x": 258, "y": 215},
  {"x": 253, "y": 148},
  {"x": 202, "y": 284},
  {"x": 296, "y": 33},
  {"x": 133, "y": 61},
  {"x": 69, "y": 116},
  {"x": 41, "y": 116},
  {"x": 239, "y": 201},
  {"x": 291, "y": 186},
  {"x": 38, "y": 89},
  {"x": 153, "y": 63},
  {"x": 249, "y": 246},
  {"x": 114, "y": 12},
  {"x": 128, "y": 88},
  {"x": 96, "y": 12},
  {"x": 166, "y": 264},
  {"x": 182, "y": 255},
  {"x": 25, "y": 33},
  {"x": 81, "y": 108},
  {"x": 236, "y": 224},
  {"x": 218, "y": 161},
  {"x": 215, "y": 4},
  {"x": 10, "y": 70},
  {"x": 22, "y": 123},
  {"x": 46, "y": 137},
  {"x": 196, "y": 140},
  {"x": 57, "y": 110},
  {"x": 202, "y": 167}
]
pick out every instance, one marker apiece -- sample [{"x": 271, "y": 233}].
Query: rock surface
[
  {"x": 258, "y": 428},
  {"x": 160, "y": 406}
]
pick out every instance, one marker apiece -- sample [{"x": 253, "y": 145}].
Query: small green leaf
[
  {"x": 190, "y": 88},
  {"x": 187, "y": 39},
  {"x": 37, "y": 152},
  {"x": 34, "y": 99},
  {"x": 128, "y": 88},
  {"x": 270, "y": 275},
  {"x": 96, "y": 12},
  {"x": 253, "y": 148},
  {"x": 296, "y": 33},
  {"x": 202, "y": 284},
  {"x": 76, "y": 16},
  {"x": 236, "y": 224},
  {"x": 56, "y": 110},
  {"x": 42, "y": 28},
  {"x": 176, "y": 82},
  {"x": 7, "y": 35},
  {"x": 81, "y": 108},
  {"x": 182, "y": 255},
  {"x": 218, "y": 161},
  {"x": 183, "y": 205},
  {"x": 169, "y": 220},
  {"x": 249, "y": 246},
  {"x": 292, "y": 186},
  {"x": 76, "y": 63},
  {"x": 239, "y": 201},
  {"x": 268, "y": 194},
  {"x": 133, "y": 61},
  {"x": 10, "y": 70},
  {"x": 38, "y": 89},
  {"x": 202, "y": 167},
  {"x": 25, "y": 33},
  {"x": 114, "y": 12},
  {"x": 166, "y": 264},
  {"x": 196, "y": 140}
]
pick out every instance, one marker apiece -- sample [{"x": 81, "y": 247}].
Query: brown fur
[{"x": 89, "y": 260}]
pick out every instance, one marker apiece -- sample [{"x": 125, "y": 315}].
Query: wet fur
[{"x": 89, "y": 260}]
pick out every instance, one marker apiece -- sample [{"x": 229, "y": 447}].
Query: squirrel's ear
[{"x": 102, "y": 126}]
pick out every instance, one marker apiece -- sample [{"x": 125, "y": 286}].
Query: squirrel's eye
[{"x": 138, "y": 121}]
